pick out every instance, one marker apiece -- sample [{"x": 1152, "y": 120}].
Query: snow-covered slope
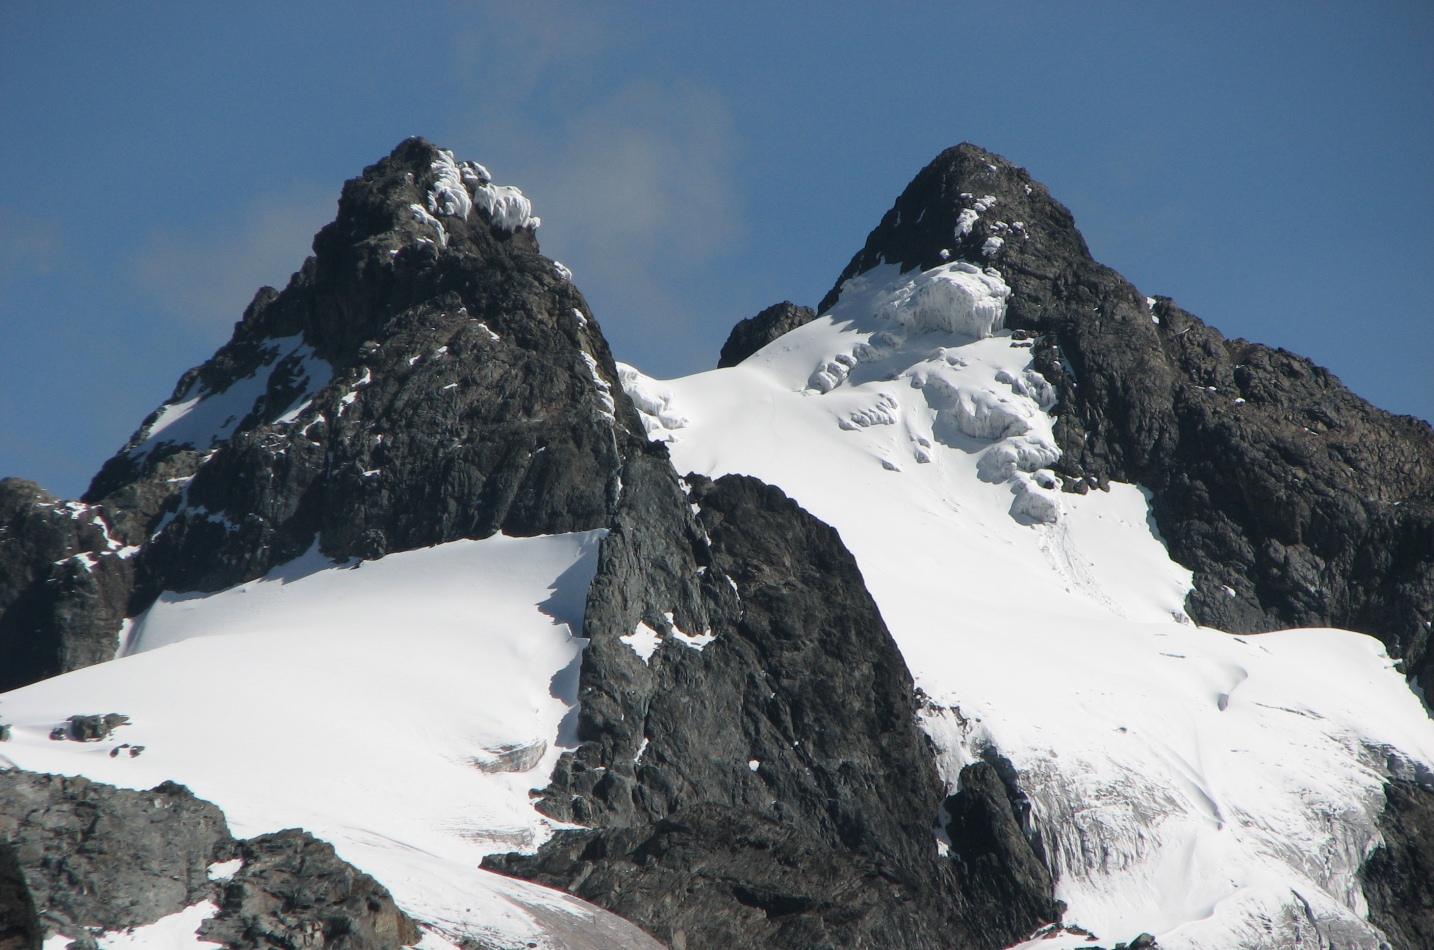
[
  {"x": 1217, "y": 791},
  {"x": 401, "y": 708}
]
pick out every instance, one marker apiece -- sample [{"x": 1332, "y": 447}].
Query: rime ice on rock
[
  {"x": 450, "y": 195},
  {"x": 506, "y": 206}
]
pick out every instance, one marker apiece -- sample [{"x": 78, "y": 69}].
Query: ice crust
[{"x": 1216, "y": 791}]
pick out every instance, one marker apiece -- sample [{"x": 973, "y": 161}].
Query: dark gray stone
[
  {"x": 294, "y": 892},
  {"x": 1271, "y": 479},
  {"x": 831, "y": 839},
  {"x": 63, "y": 590},
  {"x": 1398, "y": 876},
  {"x": 79, "y": 857},
  {"x": 94, "y": 856},
  {"x": 753, "y": 333}
]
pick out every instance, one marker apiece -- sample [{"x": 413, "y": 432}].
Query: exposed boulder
[
  {"x": 92, "y": 856},
  {"x": 294, "y": 891},
  {"x": 79, "y": 858}
]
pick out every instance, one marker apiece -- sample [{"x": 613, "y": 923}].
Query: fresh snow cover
[
  {"x": 1216, "y": 791},
  {"x": 175, "y": 932},
  {"x": 203, "y": 419},
  {"x": 643, "y": 641},
  {"x": 506, "y": 205},
  {"x": 401, "y": 709}
]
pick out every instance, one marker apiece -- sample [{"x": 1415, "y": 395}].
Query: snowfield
[
  {"x": 1216, "y": 791},
  {"x": 401, "y": 709}
]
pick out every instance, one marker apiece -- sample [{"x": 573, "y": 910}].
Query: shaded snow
[
  {"x": 178, "y": 931},
  {"x": 203, "y": 419}
]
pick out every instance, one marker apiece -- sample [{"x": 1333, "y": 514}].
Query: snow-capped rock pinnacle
[
  {"x": 1148, "y": 393},
  {"x": 969, "y": 204}
]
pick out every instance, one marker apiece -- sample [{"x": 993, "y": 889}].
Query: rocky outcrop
[
  {"x": 91, "y": 856},
  {"x": 753, "y": 333},
  {"x": 294, "y": 891},
  {"x": 79, "y": 858},
  {"x": 1398, "y": 877},
  {"x": 64, "y": 584},
  {"x": 1007, "y": 882},
  {"x": 426, "y": 376},
  {"x": 759, "y": 779},
  {"x": 1295, "y": 502}
]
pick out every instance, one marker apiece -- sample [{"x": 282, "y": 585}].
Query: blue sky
[{"x": 1265, "y": 164}]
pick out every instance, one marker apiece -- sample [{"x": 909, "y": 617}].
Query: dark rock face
[
  {"x": 1295, "y": 502},
  {"x": 771, "y": 789},
  {"x": 294, "y": 891},
  {"x": 94, "y": 856},
  {"x": 753, "y": 333},
  {"x": 64, "y": 585},
  {"x": 1398, "y": 878},
  {"x": 1005, "y": 877},
  {"x": 424, "y": 377},
  {"x": 78, "y": 857}
]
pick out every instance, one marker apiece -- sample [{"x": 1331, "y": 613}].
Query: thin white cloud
[
  {"x": 206, "y": 274},
  {"x": 28, "y": 245}
]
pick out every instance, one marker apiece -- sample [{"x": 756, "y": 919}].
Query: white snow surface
[
  {"x": 178, "y": 931},
  {"x": 401, "y": 709},
  {"x": 202, "y": 419},
  {"x": 1216, "y": 791}
]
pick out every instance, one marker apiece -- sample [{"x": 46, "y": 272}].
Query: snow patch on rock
[
  {"x": 654, "y": 404},
  {"x": 200, "y": 418},
  {"x": 643, "y": 641}
]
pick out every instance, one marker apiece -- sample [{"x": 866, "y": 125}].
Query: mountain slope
[
  {"x": 402, "y": 550},
  {"x": 924, "y": 651},
  {"x": 1271, "y": 479},
  {"x": 1213, "y": 790}
]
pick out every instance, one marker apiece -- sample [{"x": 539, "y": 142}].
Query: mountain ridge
[{"x": 429, "y": 378}]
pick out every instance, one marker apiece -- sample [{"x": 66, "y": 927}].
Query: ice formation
[
  {"x": 1216, "y": 791},
  {"x": 957, "y": 297},
  {"x": 505, "y": 205}
]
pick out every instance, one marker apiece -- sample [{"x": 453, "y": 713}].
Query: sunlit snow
[
  {"x": 402, "y": 709},
  {"x": 1216, "y": 791}
]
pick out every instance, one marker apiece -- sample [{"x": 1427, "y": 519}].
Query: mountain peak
[{"x": 973, "y": 205}]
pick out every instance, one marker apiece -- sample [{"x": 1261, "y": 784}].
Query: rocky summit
[{"x": 992, "y": 603}]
